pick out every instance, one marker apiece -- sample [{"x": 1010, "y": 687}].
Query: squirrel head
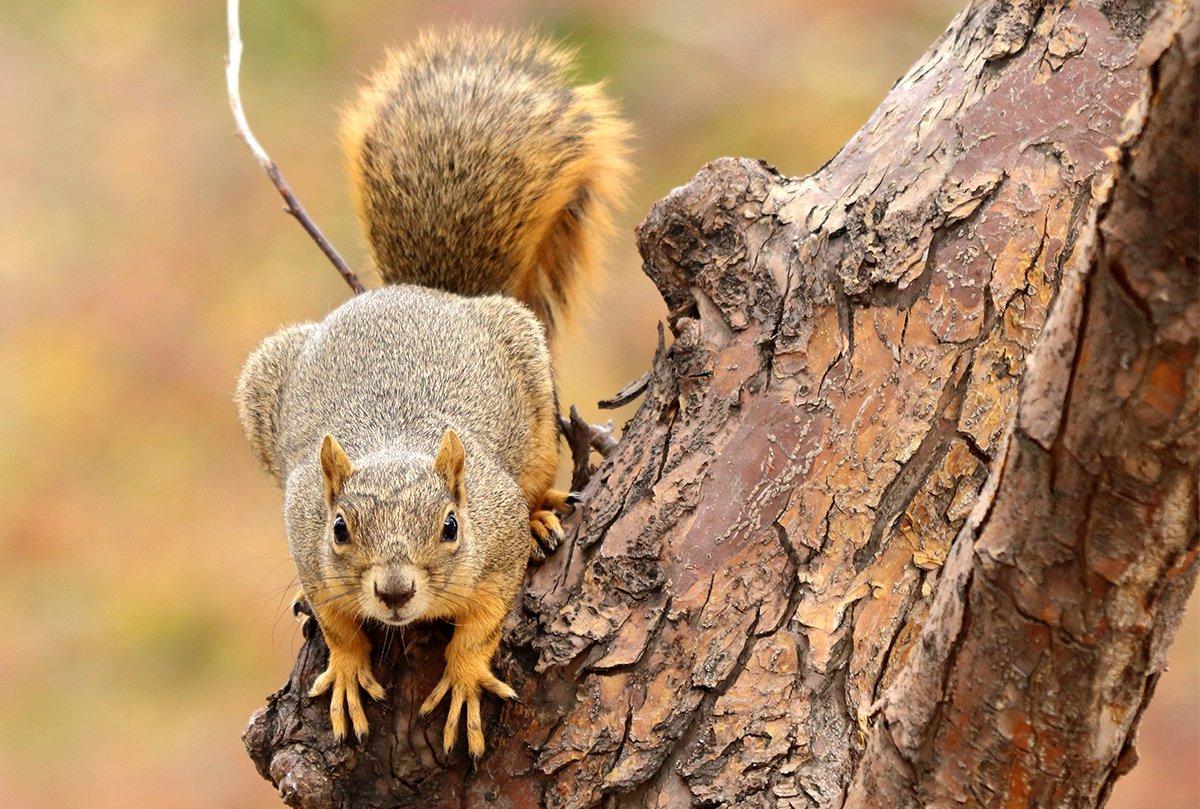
[{"x": 397, "y": 531}]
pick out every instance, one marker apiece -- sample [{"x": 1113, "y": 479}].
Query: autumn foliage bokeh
[{"x": 144, "y": 580}]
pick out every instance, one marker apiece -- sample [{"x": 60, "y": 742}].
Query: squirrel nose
[{"x": 395, "y": 592}]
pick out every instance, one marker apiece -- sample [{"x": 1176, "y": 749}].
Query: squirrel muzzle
[{"x": 395, "y": 594}]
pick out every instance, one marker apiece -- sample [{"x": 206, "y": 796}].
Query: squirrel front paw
[
  {"x": 345, "y": 674},
  {"x": 465, "y": 683}
]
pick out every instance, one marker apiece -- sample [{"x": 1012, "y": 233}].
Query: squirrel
[{"x": 414, "y": 431}]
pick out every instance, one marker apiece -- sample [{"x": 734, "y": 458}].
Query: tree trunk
[{"x": 908, "y": 515}]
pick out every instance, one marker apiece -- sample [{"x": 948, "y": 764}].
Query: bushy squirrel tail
[{"x": 477, "y": 168}]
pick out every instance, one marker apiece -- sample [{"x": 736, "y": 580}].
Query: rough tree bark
[{"x": 908, "y": 514}]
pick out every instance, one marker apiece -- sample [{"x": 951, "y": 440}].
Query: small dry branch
[{"x": 582, "y": 438}]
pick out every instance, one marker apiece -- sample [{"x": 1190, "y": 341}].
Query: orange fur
[
  {"x": 477, "y": 168},
  {"x": 349, "y": 669},
  {"x": 478, "y": 627}
]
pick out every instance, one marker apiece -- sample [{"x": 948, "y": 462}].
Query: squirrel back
[{"x": 477, "y": 168}]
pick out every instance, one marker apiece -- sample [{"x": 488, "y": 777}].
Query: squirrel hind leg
[
  {"x": 537, "y": 485},
  {"x": 545, "y": 533},
  {"x": 545, "y": 526}
]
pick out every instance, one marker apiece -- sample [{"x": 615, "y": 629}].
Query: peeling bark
[{"x": 908, "y": 514}]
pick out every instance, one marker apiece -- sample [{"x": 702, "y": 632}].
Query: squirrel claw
[
  {"x": 546, "y": 531},
  {"x": 536, "y": 552},
  {"x": 345, "y": 675},
  {"x": 464, "y": 691},
  {"x": 303, "y": 613},
  {"x": 300, "y": 606}
]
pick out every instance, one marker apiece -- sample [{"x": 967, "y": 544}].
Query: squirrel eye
[
  {"x": 450, "y": 528},
  {"x": 341, "y": 533}
]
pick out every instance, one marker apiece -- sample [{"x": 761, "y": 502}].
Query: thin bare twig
[
  {"x": 626, "y": 394},
  {"x": 638, "y": 386},
  {"x": 233, "y": 66}
]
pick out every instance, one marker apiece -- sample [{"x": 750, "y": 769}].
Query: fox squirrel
[{"x": 414, "y": 431}]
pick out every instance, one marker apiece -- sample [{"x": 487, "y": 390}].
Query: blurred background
[{"x": 143, "y": 254}]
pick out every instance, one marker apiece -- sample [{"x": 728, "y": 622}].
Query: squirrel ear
[
  {"x": 451, "y": 458},
  {"x": 335, "y": 467}
]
